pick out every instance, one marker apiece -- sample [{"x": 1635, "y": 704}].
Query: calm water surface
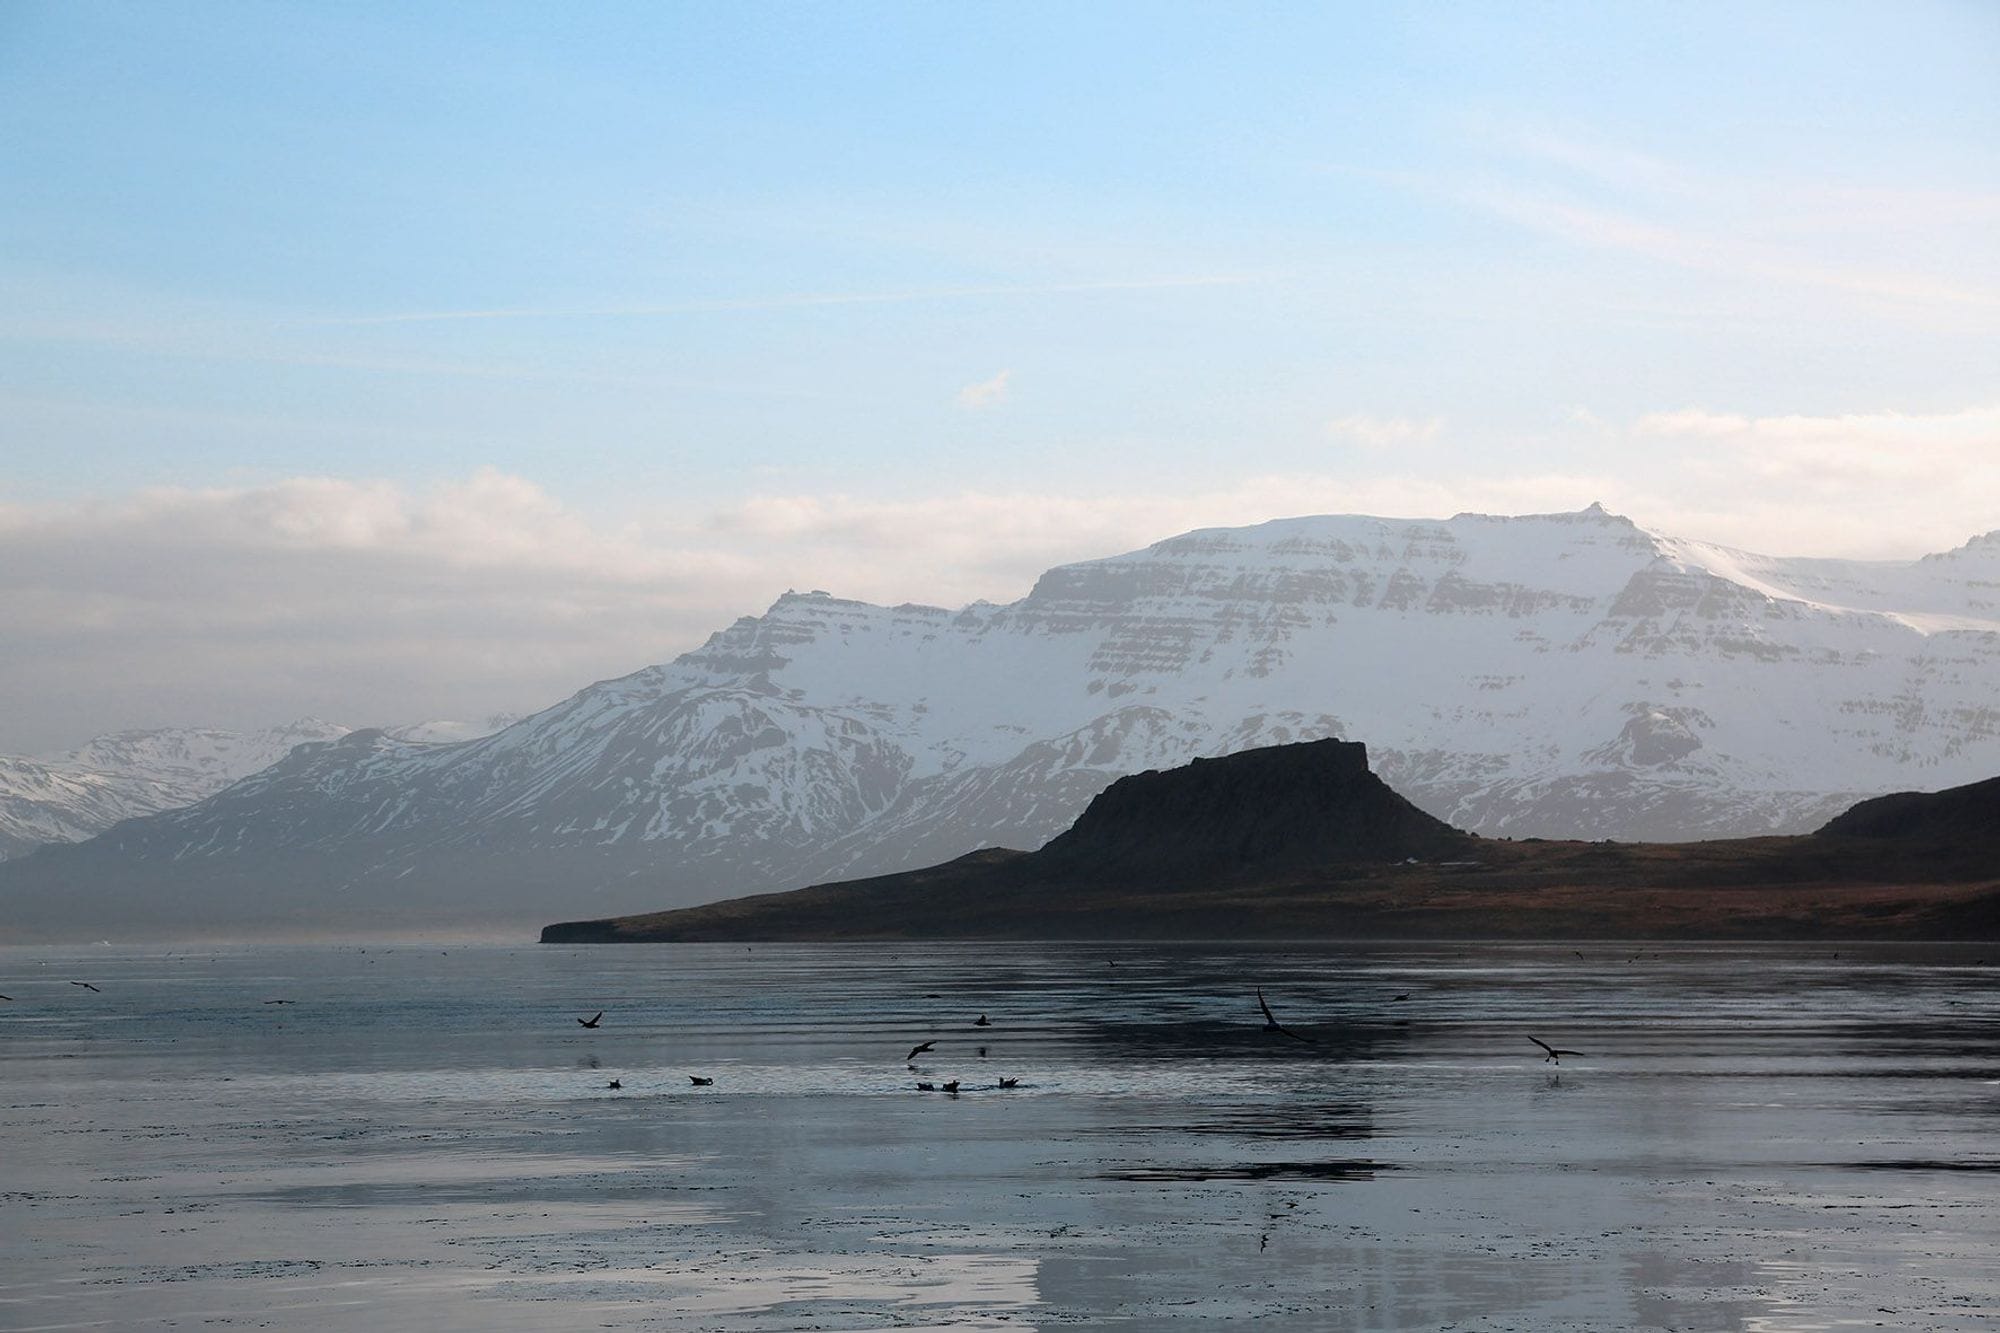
[{"x": 1758, "y": 1138}]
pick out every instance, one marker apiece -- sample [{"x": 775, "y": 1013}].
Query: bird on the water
[
  {"x": 1271, "y": 1023},
  {"x": 982, "y": 1022},
  {"x": 592, "y": 1021},
  {"x": 614, "y": 1083},
  {"x": 1010, "y": 1082},
  {"x": 951, "y": 1087},
  {"x": 1553, "y": 1053},
  {"x": 701, "y": 1082},
  {"x": 918, "y": 1050}
]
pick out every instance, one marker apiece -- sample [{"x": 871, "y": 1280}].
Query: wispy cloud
[
  {"x": 1718, "y": 251},
  {"x": 986, "y": 393},
  {"x": 1852, "y": 239},
  {"x": 798, "y": 300}
]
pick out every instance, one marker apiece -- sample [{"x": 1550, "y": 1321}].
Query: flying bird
[
  {"x": 594, "y": 1021},
  {"x": 1404, "y": 996},
  {"x": 918, "y": 1050},
  {"x": 86, "y": 985},
  {"x": 1553, "y": 1053},
  {"x": 1271, "y": 1023},
  {"x": 701, "y": 1082}
]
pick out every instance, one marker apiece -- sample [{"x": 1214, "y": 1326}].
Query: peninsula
[{"x": 1304, "y": 841}]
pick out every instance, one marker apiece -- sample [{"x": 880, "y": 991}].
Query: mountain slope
[{"x": 1552, "y": 675}]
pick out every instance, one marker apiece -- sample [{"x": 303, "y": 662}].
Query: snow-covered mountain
[
  {"x": 77, "y": 794},
  {"x": 1567, "y": 675}
]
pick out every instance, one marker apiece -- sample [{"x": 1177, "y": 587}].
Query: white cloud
[
  {"x": 986, "y": 393},
  {"x": 1952, "y": 451},
  {"x": 1383, "y": 432}
]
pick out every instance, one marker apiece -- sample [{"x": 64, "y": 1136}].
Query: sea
[{"x": 424, "y": 1136}]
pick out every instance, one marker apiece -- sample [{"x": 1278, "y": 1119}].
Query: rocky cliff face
[{"x": 1554, "y": 675}]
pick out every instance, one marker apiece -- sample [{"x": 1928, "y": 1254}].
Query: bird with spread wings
[
  {"x": 1271, "y": 1023},
  {"x": 1553, "y": 1053}
]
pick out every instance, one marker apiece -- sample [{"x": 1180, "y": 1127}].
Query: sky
[{"x": 390, "y": 362}]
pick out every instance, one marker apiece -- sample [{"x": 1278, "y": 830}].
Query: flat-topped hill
[
  {"x": 1303, "y": 840},
  {"x": 1280, "y": 808}
]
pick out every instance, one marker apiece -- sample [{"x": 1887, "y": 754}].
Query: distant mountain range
[
  {"x": 1566, "y": 675},
  {"x": 79, "y": 793}
]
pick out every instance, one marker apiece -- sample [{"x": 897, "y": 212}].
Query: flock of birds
[
  {"x": 1551, "y": 1054},
  {"x": 952, "y": 1086}
]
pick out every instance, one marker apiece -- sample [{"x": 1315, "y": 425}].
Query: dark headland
[{"x": 1303, "y": 841}]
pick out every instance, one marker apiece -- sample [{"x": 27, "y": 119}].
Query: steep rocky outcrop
[{"x": 1267, "y": 811}]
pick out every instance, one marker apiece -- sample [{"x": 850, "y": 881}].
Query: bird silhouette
[
  {"x": 918, "y": 1050},
  {"x": 701, "y": 1082},
  {"x": 1404, "y": 996},
  {"x": 1010, "y": 1082},
  {"x": 1553, "y": 1053},
  {"x": 614, "y": 1083},
  {"x": 982, "y": 1022},
  {"x": 926, "y": 1087},
  {"x": 1271, "y": 1023},
  {"x": 951, "y": 1087},
  {"x": 593, "y": 1021},
  {"x": 86, "y": 985}
]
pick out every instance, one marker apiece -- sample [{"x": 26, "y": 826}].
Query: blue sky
[{"x": 914, "y": 300}]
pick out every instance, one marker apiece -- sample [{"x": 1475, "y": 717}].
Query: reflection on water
[{"x": 1758, "y": 1138}]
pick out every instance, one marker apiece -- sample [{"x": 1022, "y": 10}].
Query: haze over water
[{"x": 1759, "y": 1137}]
